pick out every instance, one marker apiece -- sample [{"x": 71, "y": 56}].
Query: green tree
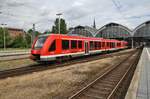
[
  {"x": 47, "y": 32},
  {"x": 29, "y": 37},
  {"x": 63, "y": 26},
  {"x": 54, "y": 29},
  {"x": 28, "y": 40},
  {"x": 30, "y": 31},
  {"x": 1, "y": 38},
  {"x": 7, "y": 38}
]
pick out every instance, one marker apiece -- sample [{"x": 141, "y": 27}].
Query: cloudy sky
[{"x": 23, "y": 13}]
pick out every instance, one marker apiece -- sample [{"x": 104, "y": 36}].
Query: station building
[
  {"x": 85, "y": 31},
  {"x": 142, "y": 34},
  {"x": 113, "y": 31},
  {"x": 108, "y": 31}
]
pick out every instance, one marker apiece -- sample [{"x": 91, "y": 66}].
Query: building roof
[
  {"x": 14, "y": 29},
  {"x": 143, "y": 30},
  {"x": 113, "y": 30}
]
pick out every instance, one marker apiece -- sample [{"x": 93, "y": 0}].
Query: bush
[{"x": 19, "y": 42}]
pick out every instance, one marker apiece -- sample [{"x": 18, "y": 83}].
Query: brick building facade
[{"x": 14, "y": 32}]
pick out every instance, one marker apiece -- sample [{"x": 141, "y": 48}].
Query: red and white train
[{"x": 55, "y": 46}]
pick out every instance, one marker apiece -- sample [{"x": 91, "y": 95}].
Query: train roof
[{"x": 79, "y": 37}]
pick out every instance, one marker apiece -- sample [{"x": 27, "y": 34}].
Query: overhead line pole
[{"x": 33, "y": 33}]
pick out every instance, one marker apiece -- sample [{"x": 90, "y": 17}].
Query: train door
[{"x": 86, "y": 47}]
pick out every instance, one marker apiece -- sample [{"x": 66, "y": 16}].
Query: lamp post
[
  {"x": 33, "y": 33},
  {"x": 4, "y": 35},
  {"x": 59, "y": 14}
]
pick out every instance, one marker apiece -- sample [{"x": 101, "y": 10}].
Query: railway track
[
  {"x": 113, "y": 84},
  {"x": 10, "y": 57},
  {"x": 54, "y": 64},
  {"x": 14, "y": 55}
]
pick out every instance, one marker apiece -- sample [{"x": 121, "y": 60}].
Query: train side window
[
  {"x": 107, "y": 44},
  {"x": 118, "y": 44},
  {"x": 95, "y": 45},
  {"x": 79, "y": 44},
  {"x": 100, "y": 45},
  {"x": 110, "y": 45},
  {"x": 65, "y": 44},
  {"x": 53, "y": 46},
  {"x": 91, "y": 45},
  {"x": 114, "y": 45},
  {"x": 103, "y": 44},
  {"x": 73, "y": 44}
]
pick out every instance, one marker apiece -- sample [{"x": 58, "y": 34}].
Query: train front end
[{"x": 37, "y": 47}]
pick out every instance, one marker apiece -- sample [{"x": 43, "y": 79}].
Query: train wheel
[
  {"x": 59, "y": 59},
  {"x": 63, "y": 59}
]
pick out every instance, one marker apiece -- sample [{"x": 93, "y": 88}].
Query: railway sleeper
[
  {"x": 104, "y": 85},
  {"x": 106, "y": 82},
  {"x": 113, "y": 78},
  {"x": 110, "y": 81},
  {"x": 93, "y": 96},
  {"x": 99, "y": 92},
  {"x": 90, "y": 97},
  {"x": 98, "y": 88}
]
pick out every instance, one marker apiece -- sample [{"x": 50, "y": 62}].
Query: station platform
[{"x": 140, "y": 84}]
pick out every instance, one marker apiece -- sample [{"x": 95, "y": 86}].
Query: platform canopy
[
  {"x": 143, "y": 30},
  {"x": 113, "y": 30}
]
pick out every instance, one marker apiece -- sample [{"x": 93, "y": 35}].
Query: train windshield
[{"x": 40, "y": 41}]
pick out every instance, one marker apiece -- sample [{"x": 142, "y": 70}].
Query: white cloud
[{"x": 23, "y": 13}]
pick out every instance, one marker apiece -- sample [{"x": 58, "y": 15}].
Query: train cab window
[
  {"x": 79, "y": 44},
  {"x": 53, "y": 46},
  {"x": 40, "y": 42},
  {"x": 65, "y": 44},
  {"x": 73, "y": 44}
]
